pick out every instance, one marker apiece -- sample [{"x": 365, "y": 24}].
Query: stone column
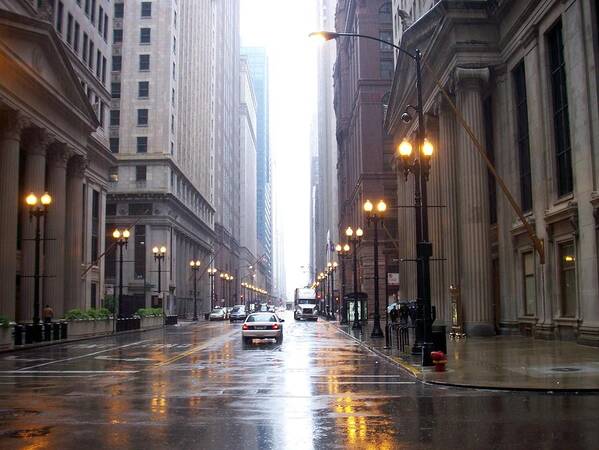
[
  {"x": 57, "y": 157},
  {"x": 74, "y": 232},
  {"x": 34, "y": 143},
  {"x": 475, "y": 247},
  {"x": 11, "y": 124},
  {"x": 447, "y": 157}
]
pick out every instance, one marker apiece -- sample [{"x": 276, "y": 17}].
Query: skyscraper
[
  {"x": 161, "y": 130},
  {"x": 258, "y": 62}
]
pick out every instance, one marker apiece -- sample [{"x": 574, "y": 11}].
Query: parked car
[
  {"x": 217, "y": 314},
  {"x": 262, "y": 325},
  {"x": 237, "y": 313}
]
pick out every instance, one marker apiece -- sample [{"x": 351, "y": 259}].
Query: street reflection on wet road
[{"x": 196, "y": 386}]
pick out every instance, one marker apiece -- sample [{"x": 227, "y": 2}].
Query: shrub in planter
[
  {"x": 4, "y": 322},
  {"x": 149, "y": 312},
  {"x": 76, "y": 314},
  {"x": 101, "y": 313}
]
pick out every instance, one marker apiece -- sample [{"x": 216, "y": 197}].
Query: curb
[
  {"x": 421, "y": 376},
  {"x": 412, "y": 370}
]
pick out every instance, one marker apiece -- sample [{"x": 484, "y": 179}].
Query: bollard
[
  {"x": 439, "y": 360},
  {"x": 29, "y": 333},
  {"x": 56, "y": 331},
  {"x": 18, "y": 333},
  {"x": 63, "y": 330},
  {"x": 47, "y": 331}
]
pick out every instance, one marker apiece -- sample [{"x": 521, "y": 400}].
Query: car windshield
[
  {"x": 237, "y": 309},
  {"x": 262, "y": 318},
  {"x": 217, "y": 311},
  {"x": 305, "y": 301}
]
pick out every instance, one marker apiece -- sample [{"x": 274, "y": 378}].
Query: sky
[{"x": 282, "y": 27}]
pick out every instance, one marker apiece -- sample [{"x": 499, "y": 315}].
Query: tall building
[
  {"x": 53, "y": 106},
  {"x": 162, "y": 133},
  {"x": 326, "y": 228},
  {"x": 227, "y": 150},
  {"x": 258, "y": 62},
  {"x": 362, "y": 77},
  {"x": 247, "y": 167},
  {"x": 527, "y": 86}
]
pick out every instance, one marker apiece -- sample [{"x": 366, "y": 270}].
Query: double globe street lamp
[
  {"x": 342, "y": 252},
  {"x": 122, "y": 238},
  {"x": 195, "y": 267},
  {"x": 374, "y": 217},
  {"x": 159, "y": 255},
  {"x": 211, "y": 273},
  {"x": 355, "y": 239},
  {"x": 331, "y": 268},
  {"x": 38, "y": 208}
]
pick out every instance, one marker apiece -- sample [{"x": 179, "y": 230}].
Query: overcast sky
[{"x": 282, "y": 27}]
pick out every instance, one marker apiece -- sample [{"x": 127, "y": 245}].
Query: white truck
[{"x": 305, "y": 304}]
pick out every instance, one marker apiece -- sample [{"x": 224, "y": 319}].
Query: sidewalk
[{"x": 500, "y": 362}]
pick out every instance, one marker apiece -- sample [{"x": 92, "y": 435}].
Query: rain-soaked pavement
[{"x": 195, "y": 386}]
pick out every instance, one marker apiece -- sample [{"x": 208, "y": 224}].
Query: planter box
[
  {"x": 148, "y": 323},
  {"x": 88, "y": 328},
  {"x": 6, "y": 338}
]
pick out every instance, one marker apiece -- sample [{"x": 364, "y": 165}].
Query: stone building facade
[
  {"x": 53, "y": 107},
  {"x": 362, "y": 82},
  {"x": 162, "y": 133},
  {"x": 523, "y": 75}
]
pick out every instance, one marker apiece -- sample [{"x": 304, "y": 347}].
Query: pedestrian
[
  {"x": 48, "y": 314},
  {"x": 393, "y": 314}
]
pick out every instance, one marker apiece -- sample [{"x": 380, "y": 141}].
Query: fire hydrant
[{"x": 439, "y": 360}]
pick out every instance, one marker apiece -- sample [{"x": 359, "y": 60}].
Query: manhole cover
[{"x": 566, "y": 369}]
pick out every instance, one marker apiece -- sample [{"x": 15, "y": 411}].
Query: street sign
[{"x": 393, "y": 278}]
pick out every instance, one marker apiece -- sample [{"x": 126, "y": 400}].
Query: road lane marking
[
  {"x": 200, "y": 347},
  {"x": 86, "y": 355},
  {"x": 69, "y": 371}
]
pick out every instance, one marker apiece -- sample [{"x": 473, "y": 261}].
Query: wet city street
[{"x": 196, "y": 386}]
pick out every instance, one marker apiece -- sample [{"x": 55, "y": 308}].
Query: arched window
[{"x": 385, "y": 12}]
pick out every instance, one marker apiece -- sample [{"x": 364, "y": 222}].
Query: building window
[
  {"x": 102, "y": 113},
  {"x": 174, "y": 71},
  {"x": 530, "y": 291},
  {"x": 385, "y": 13},
  {"x": 146, "y": 9},
  {"x": 117, "y": 36},
  {"x": 105, "y": 32},
  {"x": 76, "y": 38},
  {"x": 567, "y": 265},
  {"x": 103, "y": 70},
  {"x": 386, "y": 68},
  {"x": 142, "y": 144},
  {"x": 110, "y": 262},
  {"x": 173, "y": 96},
  {"x": 142, "y": 117},
  {"x": 85, "y": 45},
  {"x": 488, "y": 121},
  {"x": 523, "y": 138},
  {"x": 59, "y": 14},
  {"x": 90, "y": 62},
  {"x": 140, "y": 251},
  {"x": 111, "y": 209},
  {"x": 87, "y": 8},
  {"x": 69, "y": 29},
  {"x": 114, "y": 145},
  {"x": 143, "y": 89},
  {"x": 115, "y": 90},
  {"x": 93, "y": 295},
  {"x": 140, "y": 173},
  {"x": 172, "y": 123},
  {"x": 145, "y": 35},
  {"x": 388, "y": 37},
  {"x": 101, "y": 20},
  {"x": 119, "y": 9},
  {"x": 140, "y": 209},
  {"x": 98, "y": 63},
  {"x": 95, "y": 241},
  {"x": 117, "y": 61},
  {"x": 144, "y": 62},
  {"x": 93, "y": 12},
  {"x": 115, "y": 117},
  {"x": 561, "y": 124}
]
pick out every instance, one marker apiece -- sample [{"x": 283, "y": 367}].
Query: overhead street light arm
[{"x": 330, "y": 35}]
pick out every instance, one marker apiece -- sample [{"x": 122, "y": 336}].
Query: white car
[
  {"x": 262, "y": 325},
  {"x": 217, "y": 314}
]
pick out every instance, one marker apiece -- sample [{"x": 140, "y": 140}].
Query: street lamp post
[
  {"x": 211, "y": 273},
  {"x": 159, "y": 254},
  {"x": 342, "y": 251},
  {"x": 420, "y": 167},
  {"x": 332, "y": 269},
  {"x": 38, "y": 208},
  {"x": 195, "y": 266},
  {"x": 355, "y": 241},
  {"x": 222, "y": 287},
  {"x": 122, "y": 237},
  {"x": 374, "y": 217}
]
